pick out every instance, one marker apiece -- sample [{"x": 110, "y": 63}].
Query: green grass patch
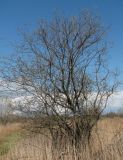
[{"x": 8, "y": 142}]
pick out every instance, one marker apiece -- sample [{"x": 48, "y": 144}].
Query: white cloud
[{"x": 115, "y": 101}]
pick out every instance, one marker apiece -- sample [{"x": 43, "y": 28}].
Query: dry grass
[
  {"x": 9, "y": 128},
  {"x": 106, "y": 144},
  {"x": 9, "y": 134}
]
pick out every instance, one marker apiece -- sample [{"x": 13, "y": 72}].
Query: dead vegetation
[
  {"x": 106, "y": 143},
  {"x": 9, "y": 128}
]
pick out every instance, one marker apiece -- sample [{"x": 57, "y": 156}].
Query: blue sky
[{"x": 17, "y": 13}]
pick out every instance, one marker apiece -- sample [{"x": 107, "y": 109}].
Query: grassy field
[{"x": 106, "y": 144}]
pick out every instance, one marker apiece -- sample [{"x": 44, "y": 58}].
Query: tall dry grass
[
  {"x": 106, "y": 144},
  {"x": 9, "y": 128}
]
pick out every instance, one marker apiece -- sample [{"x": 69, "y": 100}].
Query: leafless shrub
[{"x": 61, "y": 71}]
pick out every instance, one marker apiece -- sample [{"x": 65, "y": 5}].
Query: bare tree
[{"x": 61, "y": 66}]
